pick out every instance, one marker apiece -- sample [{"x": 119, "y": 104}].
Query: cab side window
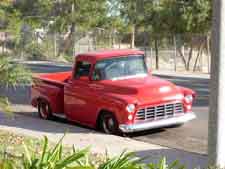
[{"x": 82, "y": 69}]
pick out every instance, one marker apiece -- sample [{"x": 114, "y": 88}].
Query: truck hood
[{"x": 144, "y": 90}]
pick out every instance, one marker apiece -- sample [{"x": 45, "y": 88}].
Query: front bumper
[{"x": 158, "y": 123}]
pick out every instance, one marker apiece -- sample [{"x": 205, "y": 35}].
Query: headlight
[
  {"x": 130, "y": 108},
  {"x": 188, "y": 98}
]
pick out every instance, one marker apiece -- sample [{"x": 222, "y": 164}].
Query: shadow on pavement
[
  {"x": 30, "y": 122},
  {"x": 190, "y": 160},
  {"x": 146, "y": 132},
  {"x": 35, "y": 115}
]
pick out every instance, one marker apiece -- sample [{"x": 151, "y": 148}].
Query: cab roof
[{"x": 106, "y": 54}]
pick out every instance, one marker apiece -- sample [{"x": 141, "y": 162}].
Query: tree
[
  {"x": 11, "y": 74},
  {"x": 133, "y": 14},
  {"x": 65, "y": 17},
  {"x": 76, "y": 15},
  {"x": 180, "y": 19},
  {"x": 187, "y": 18}
]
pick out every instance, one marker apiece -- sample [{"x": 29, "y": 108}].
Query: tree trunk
[
  {"x": 175, "y": 53},
  {"x": 200, "y": 49},
  {"x": 132, "y": 42},
  {"x": 156, "y": 54},
  {"x": 182, "y": 55},
  {"x": 67, "y": 41},
  {"x": 189, "y": 58},
  {"x": 55, "y": 46}
]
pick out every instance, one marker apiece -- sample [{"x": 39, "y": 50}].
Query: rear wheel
[
  {"x": 44, "y": 110},
  {"x": 109, "y": 124}
]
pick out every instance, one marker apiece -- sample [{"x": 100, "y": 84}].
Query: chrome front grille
[{"x": 159, "y": 112}]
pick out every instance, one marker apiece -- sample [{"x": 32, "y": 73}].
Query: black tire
[
  {"x": 109, "y": 124},
  {"x": 44, "y": 110}
]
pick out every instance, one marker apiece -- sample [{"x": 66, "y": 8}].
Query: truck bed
[
  {"x": 50, "y": 87},
  {"x": 58, "y": 78}
]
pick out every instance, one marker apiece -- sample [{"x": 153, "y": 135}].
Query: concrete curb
[{"x": 181, "y": 74}]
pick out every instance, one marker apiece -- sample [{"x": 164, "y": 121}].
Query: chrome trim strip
[{"x": 158, "y": 123}]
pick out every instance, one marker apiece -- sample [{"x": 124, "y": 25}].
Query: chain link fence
[{"x": 186, "y": 52}]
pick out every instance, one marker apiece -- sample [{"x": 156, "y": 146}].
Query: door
[{"x": 80, "y": 98}]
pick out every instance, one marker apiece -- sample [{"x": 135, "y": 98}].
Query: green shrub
[
  {"x": 56, "y": 158},
  {"x": 6, "y": 164},
  {"x": 12, "y": 74},
  {"x": 34, "y": 51},
  {"x": 53, "y": 158},
  {"x": 124, "y": 161},
  {"x": 5, "y": 105},
  {"x": 162, "y": 164}
]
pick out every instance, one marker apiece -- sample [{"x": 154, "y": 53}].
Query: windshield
[{"x": 120, "y": 68}]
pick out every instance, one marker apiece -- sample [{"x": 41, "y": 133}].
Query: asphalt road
[{"x": 190, "y": 137}]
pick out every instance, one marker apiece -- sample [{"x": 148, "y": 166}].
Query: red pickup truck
[{"x": 112, "y": 91}]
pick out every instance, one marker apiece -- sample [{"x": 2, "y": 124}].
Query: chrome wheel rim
[
  {"x": 44, "y": 111},
  {"x": 108, "y": 125}
]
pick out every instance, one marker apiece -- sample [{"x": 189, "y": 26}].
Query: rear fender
[{"x": 36, "y": 100}]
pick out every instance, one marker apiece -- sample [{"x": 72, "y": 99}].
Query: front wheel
[
  {"x": 44, "y": 110},
  {"x": 109, "y": 124}
]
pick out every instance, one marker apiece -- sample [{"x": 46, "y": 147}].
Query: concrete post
[{"x": 216, "y": 143}]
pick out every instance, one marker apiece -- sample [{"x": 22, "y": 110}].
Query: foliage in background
[
  {"x": 11, "y": 75},
  {"x": 161, "y": 17}
]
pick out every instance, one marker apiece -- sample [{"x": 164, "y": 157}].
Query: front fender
[
  {"x": 115, "y": 104},
  {"x": 188, "y": 91}
]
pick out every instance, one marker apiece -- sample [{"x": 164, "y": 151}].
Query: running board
[{"x": 62, "y": 116}]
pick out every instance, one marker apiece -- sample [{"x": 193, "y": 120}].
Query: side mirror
[{"x": 97, "y": 75}]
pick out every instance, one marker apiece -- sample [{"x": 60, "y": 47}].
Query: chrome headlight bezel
[
  {"x": 130, "y": 108},
  {"x": 188, "y": 99}
]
